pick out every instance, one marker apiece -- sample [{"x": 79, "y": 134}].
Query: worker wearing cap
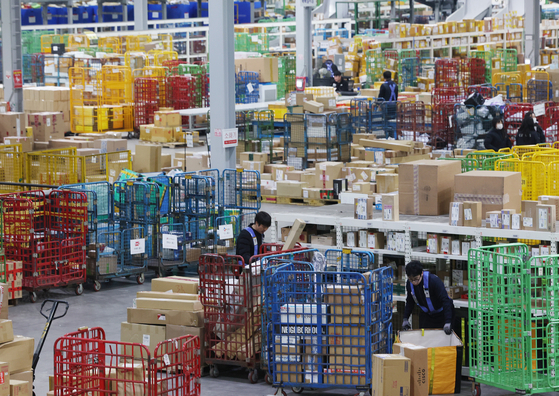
[
  {"x": 427, "y": 291},
  {"x": 250, "y": 239}
]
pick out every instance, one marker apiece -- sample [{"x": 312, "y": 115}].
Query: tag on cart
[
  {"x": 137, "y": 246},
  {"x": 170, "y": 242},
  {"x": 226, "y": 231}
]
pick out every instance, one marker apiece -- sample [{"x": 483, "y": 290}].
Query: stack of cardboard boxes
[
  {"x": 171, "y": 309},
  {"x": 50, "y": 100},
  {"x": 167, "y": 128},
  {"x": 16, "y": 356},
  {"x": 14, "y": 279}
]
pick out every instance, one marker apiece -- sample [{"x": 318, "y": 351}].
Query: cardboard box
[
  {"x": 548, "y": 200},
  {"x": 529, "y": 215},
  {"x": 26, "y": 142},
  {"x": 254, "y": 165},
  {"x": 6, "y": 331},
  {"x": 455, "y": 292},
  {"x": 375, "y": 240},
  {"x": 419, "y": 374},
  {"x": 19, "y": 388},
  {"x": 168, "y": 303},
  {"x": 329, "y": 102},
  {"x": 167, "y": 119},
  {"x": 294, "y": 233},
  {"x": 326, "y": 173},
  {"x": 426, "y": 186},
  {"x": 364, "y": 208},
  {"x": 290, "y": 188},
  {"x": 387, "y": 182},
  {"x": 110, "y": 145},
  {"x": 267, "y": 68},
  {"x": 147, "y": 335},
  {"x": 19, "y": 353},
  {"x": 323, "y": 240},
  {"x": 165, "y": 317},
  {"x": 172, "y": 296},
  {"x": 5, "y": 383},
  {"x": 254, "y": 156},
  {"x": 147, "y": 158},
  {"x": 495, "y": 190},
  {"x": 12, "y": 124},
  {"x": 166, "y": 160},
  {"x": 391, "y": 375},
  {"x": 506, "y": 218},
  {"x": 177, "y": 284},
  {"x": 311, "y": 193},
  {"x": 472, "y": 213},
  {"x": 342, "y": 375},
  {"x": 313, "y": 107},
  {"x": 456, "y": 214},
  {"x": 391, "y": 207},
  {"x": 546, "y": 218},
  {"x": 493, "y": 219}
]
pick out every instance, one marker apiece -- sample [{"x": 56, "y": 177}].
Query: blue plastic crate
[
  {"x": 112, "y": 13},
  {"x": 178, "y": 11},
  {"x": 155, "y": 12},
  {"x": 31, "y": 16}
]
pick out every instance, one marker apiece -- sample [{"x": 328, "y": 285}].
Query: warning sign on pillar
[
  {"x": 18, "y": 79},
  {"x": 230, "y": 137}
]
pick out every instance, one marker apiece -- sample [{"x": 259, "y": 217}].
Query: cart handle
[{"x": 55, "y": 304}]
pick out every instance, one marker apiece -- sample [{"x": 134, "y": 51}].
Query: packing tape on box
[
  {"x": 416, "y": 190},
  {"x": 484, "y": 199}
]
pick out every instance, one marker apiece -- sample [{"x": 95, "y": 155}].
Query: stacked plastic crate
[
  {"x": 246, "y": 87},
  {"x": 286, "y": 75}
]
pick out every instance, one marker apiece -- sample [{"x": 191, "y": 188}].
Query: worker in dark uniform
[
  {"x": 389, "y": 89},
  {"x": 428, "y": 292},
  {"x": 340, "y": 84},
  {"x": 250, "y": 239}
]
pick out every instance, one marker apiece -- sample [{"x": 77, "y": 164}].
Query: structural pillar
[
  {"x": 303, "y": 37},
  {"x": 12, "y": 58},
  {"x": 412, "y": 11},
  {"x": 532, "y": 31},
  {"x": 438, "y": 10},
  {"x": 222, "y": 81},
  {"x": 140, "y": 14}
]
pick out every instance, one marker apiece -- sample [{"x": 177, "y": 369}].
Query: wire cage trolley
[
  {"x": 86, "y": 363},
  {"x": 230, "y": 294},
  {"x": 47, "y": 233},
  {"x": 513, "y": 316},
  {"x": 325, "y": 326}
]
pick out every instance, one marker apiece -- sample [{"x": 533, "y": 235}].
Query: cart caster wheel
[
  {"x": 477, "y": 390},
  {"x": 79, "y": 290},
  {"x": 33, "y": 297},
  {"x": 96, "y": 286},
  {"x": 253, "y": 376},
  {"x": 268, "y": 378},
  {"x": 214, "y": 372},
  {"x": 141, "y": 279},
  {"x": 297, "y": 390}
]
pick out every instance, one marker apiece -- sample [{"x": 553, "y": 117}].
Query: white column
[{"x": 222, "y": 80}]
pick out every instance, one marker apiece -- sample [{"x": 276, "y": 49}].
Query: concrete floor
[{"x": 107, "y": 309}]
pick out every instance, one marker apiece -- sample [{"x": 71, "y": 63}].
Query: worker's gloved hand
[
  {"x": 406, "y": 325},
  {"x": 447, "y": 329}
]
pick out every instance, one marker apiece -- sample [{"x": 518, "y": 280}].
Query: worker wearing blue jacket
[{"x": 427, "y": 291}]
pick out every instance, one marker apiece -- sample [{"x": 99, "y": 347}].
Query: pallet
[{"x": 298, "y": 201}]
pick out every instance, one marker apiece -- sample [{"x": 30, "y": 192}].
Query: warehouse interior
[{"x": 340, "y": 197}]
